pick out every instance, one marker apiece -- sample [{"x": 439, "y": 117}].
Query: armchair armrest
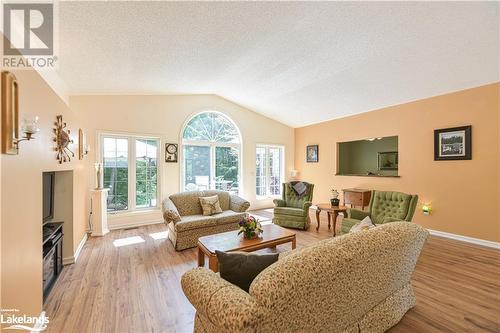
[
  {"x": 224, "y": 304},
  {"x": 388, "y": 219},
  {"x": 279, "y": 203},
  {"x": 238, "y": 204},
  {"x": 170, "y": 212},
  {"x": 307, "y": 205},
  {"x": 357, "y": 214}
]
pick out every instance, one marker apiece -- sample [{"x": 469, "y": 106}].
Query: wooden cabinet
[{"x": 357, "y": 197}]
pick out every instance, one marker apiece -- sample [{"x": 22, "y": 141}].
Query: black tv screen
[{"x": 48, "y": 195}]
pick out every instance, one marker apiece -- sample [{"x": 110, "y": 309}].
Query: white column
[{"x": 99, "y": 212}]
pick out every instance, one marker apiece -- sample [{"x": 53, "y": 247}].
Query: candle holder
[
  {"x": 98, "y": 174},
  {"x": 29, "y": 128}
]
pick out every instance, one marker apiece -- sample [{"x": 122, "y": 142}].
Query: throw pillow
[
  {"x": 365, "y": 224},
  {"x": 241, "y": 268},
  {"x": 210, "y": 205}
]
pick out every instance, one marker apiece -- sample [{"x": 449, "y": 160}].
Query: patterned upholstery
[
  {"x": 292, "y": 210},
  {"x": 184, "y": 233},
  {"x": 384, "y": 207},
  {"x": 343, "y": 286}
]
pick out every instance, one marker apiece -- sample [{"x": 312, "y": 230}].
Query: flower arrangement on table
[{"x": 250, "y": 227}]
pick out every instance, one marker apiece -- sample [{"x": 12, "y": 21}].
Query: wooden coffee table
[
  {"x": 331, "y": 210},
  {"x": 230, "y": 241}
]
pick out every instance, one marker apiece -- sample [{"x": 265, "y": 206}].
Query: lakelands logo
[
  {"x": 28, "y": 35},
  {"x": 14, "y": 321}
]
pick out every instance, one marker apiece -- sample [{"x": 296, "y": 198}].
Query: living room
[{"x": 309, "y": 121}]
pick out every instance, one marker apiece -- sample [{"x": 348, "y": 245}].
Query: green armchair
[
  {"x": 384, "y": 207},
  {"x": 292, "y": 210}
]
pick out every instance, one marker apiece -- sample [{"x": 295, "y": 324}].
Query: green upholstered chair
[
  {"x": 292, "y": 210},
  {"x": 384, "y": 207}
]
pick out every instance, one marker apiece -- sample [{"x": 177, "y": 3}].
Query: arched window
[{"x": 211, "y": 153}]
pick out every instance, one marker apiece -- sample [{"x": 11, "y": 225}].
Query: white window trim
[
  {"x": 268, "y": 176},
  {"x": 131, "y": 171},
  {"x": 212, "y": 145}
]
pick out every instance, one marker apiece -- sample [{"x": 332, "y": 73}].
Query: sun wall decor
[{"x": 63, "y": 140}]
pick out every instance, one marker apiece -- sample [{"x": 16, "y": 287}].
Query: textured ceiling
[{"x": 299, "y": 63}]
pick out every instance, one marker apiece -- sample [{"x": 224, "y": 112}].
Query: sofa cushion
[
  {"x": 290, "y": 211},
  {"x": 210, "y": 205},
  {"x": 199, "y": 221},
  {"x": 240, "y": 268},
  {"x": 365, "y": 224},
  {"x": 194, "y": 222}
]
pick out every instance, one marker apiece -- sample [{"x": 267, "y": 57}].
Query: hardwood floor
[{"x": 135, "y": 287}]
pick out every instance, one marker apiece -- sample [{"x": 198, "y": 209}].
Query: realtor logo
[{"x": 28, "y": 29}]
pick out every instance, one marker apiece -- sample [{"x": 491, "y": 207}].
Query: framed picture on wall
[
  {"x": 312, "y": 154},
  {"x": 171, "y": 152},
  {"x": 10, "y": 113},
  {"x": 388, "y": 160},
  {"x": 453, "y": 143}
]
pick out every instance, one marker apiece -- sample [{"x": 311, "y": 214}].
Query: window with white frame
[
  {"x": 130, "y": 166},
  {"x": 210, "y": 153},
  {"x": 269, "y": 170}
]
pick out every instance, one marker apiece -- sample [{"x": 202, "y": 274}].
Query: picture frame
[
  {"x": 171, "y": 152},
  {"x": 312, "y": 154},
  {"x": 388, "y": 160},
  {"x": 454, "y": 143},
  {"x": 10, "y": 113}
]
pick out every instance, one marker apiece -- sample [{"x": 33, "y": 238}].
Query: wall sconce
[
  {"x": 426, "y": 208},
  {"x": 86, "y": 149},
  {"x": 29, "y": 127},
  {"x": 294, "y": 173}
]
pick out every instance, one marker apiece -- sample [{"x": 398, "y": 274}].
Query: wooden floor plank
[{"x": 136, "y": 288}]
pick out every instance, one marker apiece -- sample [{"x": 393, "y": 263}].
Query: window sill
[
  {"x": 260, "y": 198},
  {"x": 138, "y": 211}
]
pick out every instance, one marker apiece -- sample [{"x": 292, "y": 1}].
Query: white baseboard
[
  {"x": 80, "y": 246},
  {"x": 466, "y": 239},
  {"x": 72, "y": 260},
  {"x": 132, "y": 224}
]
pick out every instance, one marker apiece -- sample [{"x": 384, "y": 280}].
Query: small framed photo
[
  {"x": 312, "y": 154},
  {"x": 388, "y": 160},
  {"x": 171, "y": 152},
  {"x": 453, "y": 143}
]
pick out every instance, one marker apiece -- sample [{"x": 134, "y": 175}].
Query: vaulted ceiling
[{"x": 299, "y": 63}]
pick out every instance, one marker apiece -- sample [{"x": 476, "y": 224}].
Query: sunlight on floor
[
  {"x": 128, "y": 241},
  {"x": 159, "y": 235},
  {"x": 260, "y": 217}
]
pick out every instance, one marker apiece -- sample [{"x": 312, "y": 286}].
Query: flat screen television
[{"x": 48, "y": 195}]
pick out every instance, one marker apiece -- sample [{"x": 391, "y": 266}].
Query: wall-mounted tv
[{"x": 48, "y": 195}]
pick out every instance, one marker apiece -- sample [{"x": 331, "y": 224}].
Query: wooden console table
[
  {"x": 332, "y": 211},
  {"x": 357, "y": 197}
]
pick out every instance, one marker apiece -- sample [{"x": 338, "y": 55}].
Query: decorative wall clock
[
  {"x": 62, "y": 140},
  {"x": 171, "y": 151}
]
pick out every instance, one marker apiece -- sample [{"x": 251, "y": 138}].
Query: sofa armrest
[
  {"x": 239, "y": 204},
  {"x": 224, "y": 304},
  {"x": 279, "y": 203},
  {"x": 357, "y": 214},
  {"x": 307, "y": 205},
  {"x": 170, "y": 212}
]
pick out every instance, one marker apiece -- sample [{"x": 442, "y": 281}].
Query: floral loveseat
[
  {"x": 358, "y": 282},
  {"x": 184, "y": 217}
]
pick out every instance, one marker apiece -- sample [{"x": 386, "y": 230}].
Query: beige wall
[
  {"x": 463, "y": 193},
  {"x": 164, "y": 116},
  {"x": 21, "y": 196}
]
